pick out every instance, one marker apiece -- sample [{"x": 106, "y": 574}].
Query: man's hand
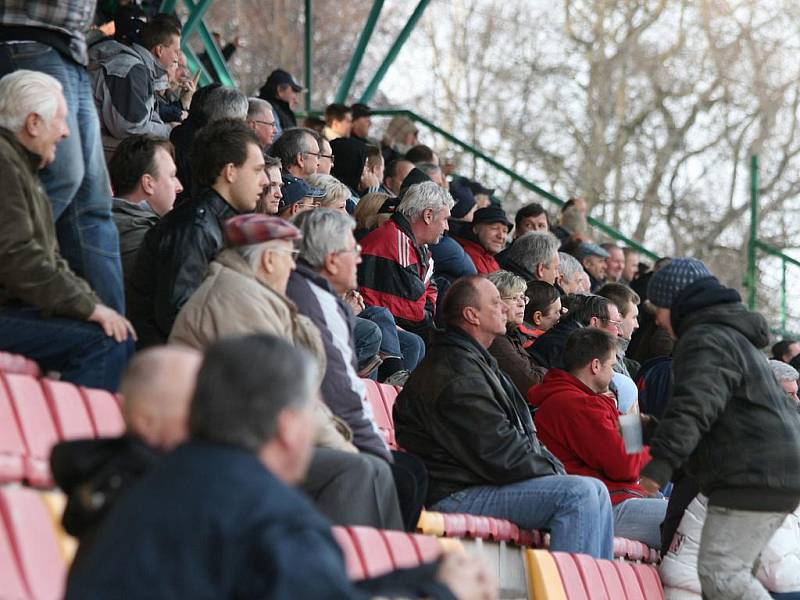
[
  {"x": 650, "y": 486},
  {"x": 113, "y": 323},
  {"x": 468, "y": 577},
  {"x": 355, "y": 301},
  {"x": 369, "y": 180}
]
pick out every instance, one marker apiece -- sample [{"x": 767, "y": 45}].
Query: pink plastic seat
[
  {"x": 11, "y": 582},
  {"x": 630, "y": 583},
  {"x": 372, "y": 550},
  {"x": 12, "y": 446},
  {"x": 355, "y": 570},
  {"x": 611, "y": 579},
  {"x": 649, "y": 581},
  {"x": 104, "y": 411},
  {"x": 16, "y": 363},
  {"x": 382, "y": 418},
  {"x": 34, "y": 542},
  {"x": 428, "y": 547},
  {"x": 593, "y": 582},
  {"x": 67, "y": 409},
  {"x": 455, "y": 525},
  {"x": 389, "y": 395},
  {"x": 401, "y": 549}
]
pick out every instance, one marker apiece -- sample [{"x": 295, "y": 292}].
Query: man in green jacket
[
  {"x": 728, "y": 424},
  {"x": 47, "y": 312}
]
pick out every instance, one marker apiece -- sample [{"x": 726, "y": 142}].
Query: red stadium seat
[
  {"x": 389, "y": 395},
  {"x": 611, "y": 579},
  {"x": 68, "y": 410},
  {"x": 15, "y": 363},
  {"x": 36, "y": 425},
  {"x": 11, "y": 582},
  {"x": 355, "y": 570},
  {"x": 428, "y": 548},
  {"x": 455, "y": 525},
  {"x": 401, "y": 549},
  {"x": 12, "y": 447},
  {"x": 571, "y": 577},
  {"x": 382, "y": 418},
  {"x": 104, "y": 411},
  {"x": 34, "y": 542},
  {"x": 630, "y": 583},
  {"x": 593, "y": 581},
  {"x": 372, "y": 550},
  {"x": 649, "y": 581}
]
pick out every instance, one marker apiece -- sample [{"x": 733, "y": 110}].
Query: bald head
[{"x": 158, "y": 386}]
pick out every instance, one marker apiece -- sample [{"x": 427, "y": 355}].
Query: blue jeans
[
  {"x": 366, "y": 339},
  {"x": 77, "y": 181},
  {"x": 640, "y": 519},
  {"x": 79, "y": 350},
  {"x": 395, "y": 342},
  {"x": 412, "y": 347},
  {"x": 576, "y": 510}
]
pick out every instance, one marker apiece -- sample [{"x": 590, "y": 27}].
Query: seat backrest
[
  {"x": 12, "y": 447},
  {"x": 34, "y": 542},
  {"x": 382, "y": 418},
  {"x": 455, "y": 525},
  {"x": 355, "y": 570},
  {"x": 428, "y": 547},
  {"x": 649, "y": 581},
  {"x": 104, "y": 411},
  {"x": 401, "y": 549},
  {"x": 570, "y": 576},
  {"x": 36, "y": 425},
  {"x": 16, "y": 363},
  {"x": 372, "y": 550},
  {"x": 611, "y": 579},
  {"x": 544, "y": 580},
  {"x": 592, "y": 579},
  {"x": 389, "y": 395},
  {"x": 11, "y": 582},
  {"x": 630, "y": 583},
  {"x": 68, "y": 410}
]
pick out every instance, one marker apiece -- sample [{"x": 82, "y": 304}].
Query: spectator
[
  {"x": 723, "y": 386},
  {"x": 534, "y": 257},
  {"x": 94, "y": 473},
  {"x": 577, "y": 419},
  {"x": 400, "y": 135},
  {"x": 76, "y": 182},
  {"x": 593, "y": 259},
  {"x": 338, "y": 121},
  {"x": 229, "y": 171},
  {"x": 260, "y": 118},
  {"x": 126, "y": 77},
  {"x": 270, "y": 201},
  {"x": 786, "y": 350},
  {"x": 281, "y": 90},
  {"x": 375, "y": 165},
  {"x": 649, "y": 341},
  {"x": 543, "y": 308},
  {"x": 572, "y": 226},
  {"x": 627, "y": 303},
  {"x": 250, "y": 430},
  {"x": 531, "y": 217},
  {"x": 787, "y": 376},
  {"x": 483, "y": 195},
  {"x": 509, "y": 349},
  {"x": 227, "y": 51},
  {"x": 422, "y": 154},
  {"x": 631, "y": 270},
  {"x": 362, "y": 122},
  {"x": 397, "y": 268},
  {"x": 368, "y": 215},
  {"x": 225, "y": 102},
  {"x": 487, "y": 236},
  {"x": 465, "y": 418},
  {"x": 615, "y": 263},
  {"x": 298, "y": 196},
  {"x": 570, "y": 274},
  {"x": 145, "y": 183},
  {"x": 325, "y": 156},
  {"x": 435, "y": 173},
  {"x": 336, "y": 193},
  {"x": 299, "y": 152},
  {"x": 350, "y": 167},
  {"x": 396, "y": 171},
  {"x": 45, "y": 305}
]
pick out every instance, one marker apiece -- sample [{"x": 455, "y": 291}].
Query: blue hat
[
  {"x": 586, "y": 249},
  {"x": 295, "y": 189},
  {"x": 669, "y": 281},
  {"x": 463, "y": 197}
]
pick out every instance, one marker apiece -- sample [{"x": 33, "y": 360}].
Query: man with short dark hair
[
  {"x": 531, "y": 217},
  {"x": 422, "y": 154},
  {"x": 470, "y": 425},
  {"x": 394, "y": 174},
  {"x": 578, "y": 420},
  {"x": 298, "y": 150},
  {"x": 338, "y": 121},
  {"x": 229, "y": 172},
  {"x": 362, "y": 121},
  {"x": 785, "y": 350},
  {"x": 631, "y": 270}
]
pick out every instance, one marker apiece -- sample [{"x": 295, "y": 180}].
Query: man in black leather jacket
[
  {"x": 471, "y": 427},
  {"x": 172, "y": 262}
]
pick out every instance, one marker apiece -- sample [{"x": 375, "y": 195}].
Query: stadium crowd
[{"x": 237, "y": 277}]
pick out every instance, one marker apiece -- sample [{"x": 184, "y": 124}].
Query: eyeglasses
[
  {"x": 328, "y": 156},
  {"x": 294, "y": 251},
  {"x": 317, "y": 154},
  {"x": 616, "y": 324},
  {"x": 267, "y": 123},
  {"x": 355, "y": 250},
  {"x": 522, "y": 298}
]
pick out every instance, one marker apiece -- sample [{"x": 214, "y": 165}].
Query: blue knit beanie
[{"x": 668, "y": 282}]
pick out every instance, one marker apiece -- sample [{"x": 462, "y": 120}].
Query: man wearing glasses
[
  {"x": 299, "y": 152},
  {"x": 262, "y": 121}
]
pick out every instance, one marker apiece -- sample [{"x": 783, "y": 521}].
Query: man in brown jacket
[
  {"x": 245, "y": 292},
  {"x": 47, "y": 312}
]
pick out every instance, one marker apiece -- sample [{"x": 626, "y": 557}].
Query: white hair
[
  {"x": 421, "y": 197},
  {"x": 568, "y": 266},
  {"x": 25, "y": 92},
  {"x": 783, "y": 371},
  {"x": 324, "y": 232},
  {"x": 335, "y": 190}
]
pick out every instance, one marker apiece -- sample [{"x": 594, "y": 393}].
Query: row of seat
[
  {"x": 37, "y": 413},
  {"x": 16, "y": 363}
]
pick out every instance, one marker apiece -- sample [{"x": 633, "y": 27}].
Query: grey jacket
[{"x": 133, "y": 222}]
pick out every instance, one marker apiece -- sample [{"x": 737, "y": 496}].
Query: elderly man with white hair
[
  {"x": 787, "y": 376},
  {"x": 397, "y": 267},
  {"x": 47, "y": 312},
  {"x": 534, "y": 257}
]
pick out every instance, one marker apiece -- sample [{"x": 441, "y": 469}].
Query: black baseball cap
[{"x": 281, "y": 77}]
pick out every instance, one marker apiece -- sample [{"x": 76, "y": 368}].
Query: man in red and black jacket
[{"x": 397, "y": 267}]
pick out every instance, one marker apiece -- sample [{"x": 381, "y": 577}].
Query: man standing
[
  {"x": 281, "y": 91},
  {"x": 467, "y": 421},
  {"x": 338, "y": 121},
  {"x": 44, "y": 305},
  {"x": 729, "y": 422},
  {"x": 362, "y": 122}
]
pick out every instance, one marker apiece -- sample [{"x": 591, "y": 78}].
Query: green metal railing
[{"x": 755, "y": 246}]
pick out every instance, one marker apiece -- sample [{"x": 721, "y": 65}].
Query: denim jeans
[
  {"x": 366, "y": 339},
  {"x": 79, "y": 350},
  {"x": 640, "y": 519},
  {"x": 412, "y": 347},
  {"x": 395, "y": 342},
  {"x": 576, "y": 510},
  {"x": 77, "y": 181}
]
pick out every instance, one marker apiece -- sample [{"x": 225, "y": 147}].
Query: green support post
[
  {"x": 752, "y": 247},
  {"x": 358, "y": 53},
  {"x": 196, "y": 13},
  {"x": 784, "y": 304},
  {"x": 195, "y": 65},
  {"x": 394, "y": 51},
  {"x": 215, "y": 55},
  {"x": 168, "y": 6},
  {"x": 309, "y": 49}
]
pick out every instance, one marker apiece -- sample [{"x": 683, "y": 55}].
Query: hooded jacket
[
  {"x": 728, "y": 421},
  {"x": 579, "y": 426},
  {"x": 124, "y": 82},
  {"x": 466, "y": 420}
]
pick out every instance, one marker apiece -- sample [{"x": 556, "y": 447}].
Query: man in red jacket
[
  {"x": 577, "y": 420},
  {"x": 486, "y": 238}
]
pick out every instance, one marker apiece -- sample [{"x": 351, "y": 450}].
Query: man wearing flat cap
[
  {"x": 486, "y": 237},
  {"x": 728, "y": 424},
  {"x": 593, "y": 260}
]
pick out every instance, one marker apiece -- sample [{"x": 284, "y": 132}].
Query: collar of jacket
[
  {"x": 31, "y": 158},
  {"x": 218, "y": 206},
  {"x": 700, "y": 294},
  {"x": 404, "y": 226},
  {"x": 231, "y": 259},
  {"x": 458, "y": 337},
  {"x": 306, "y": 271},
  {"x": 155, "y": 68},
  {"x": 509, "y": 264},
  {"x": 556, "y": 376},
  {"x": 134, "y": 209}
]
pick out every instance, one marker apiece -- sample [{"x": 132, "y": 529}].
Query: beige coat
[{"x": 233, "y": 301}]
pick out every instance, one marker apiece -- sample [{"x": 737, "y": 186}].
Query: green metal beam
[
  {"x": 215, "y": 55},
  {"x": 358, "y": 53},
  {"x": 394, "y": 51},
  {"x": 610, "y": 231},
  {"x": 223, "y": 74},
  {"x": 196, "y": 14},
  {"x": 752, "y": 296},
  {"x": 196, "y": 65},
  {"x": 167, "y": 6},
  {"x": 309, "y": 49}
]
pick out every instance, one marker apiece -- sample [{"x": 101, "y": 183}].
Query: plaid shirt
[{"x": 69, "y": 17}]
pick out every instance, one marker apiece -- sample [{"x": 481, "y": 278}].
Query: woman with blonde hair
[
  {"x": 367, "y": 213},
  {"x": 336, "y": 193}
]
